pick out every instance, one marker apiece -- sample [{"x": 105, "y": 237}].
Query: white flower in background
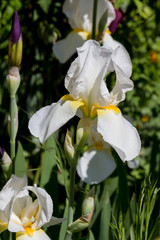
[
  {"x": 97, "y": 162},
  {"x": 88, "y": 92},
  {"x": 27, "y": 216},
  {"x": 80, "y": 16},
  {"x": 7, "y": 194}
]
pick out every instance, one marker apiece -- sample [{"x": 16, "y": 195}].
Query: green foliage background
[{"x": 42, "y": 76}]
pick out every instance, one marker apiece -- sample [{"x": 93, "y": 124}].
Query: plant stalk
[
  {"x": 94, "y": 19},
  {"x": 71, "y": 200},
  {"x": 12, "y": 127}
]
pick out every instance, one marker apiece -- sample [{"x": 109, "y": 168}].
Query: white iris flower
[
  {"x": 23, "y": 215},
  {"x": 88, "y": 92},
  {"x": 80, "y": 16}
]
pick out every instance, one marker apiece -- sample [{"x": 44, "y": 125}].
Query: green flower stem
[
  {"x": 71, "y": 200},
  {"x": 94, "y": 19},
  {"x": 12, "y": 236},
  {"x": 12, "y": 127}
]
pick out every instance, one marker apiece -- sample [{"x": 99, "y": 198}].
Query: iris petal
[
  {"x": 50, "y": 118},
  {"x": 119, "y": 133},
  {"x": 66, "y": 47},
  {"x": 94, "y": 166},
  {"x": 37, "y": 235}
]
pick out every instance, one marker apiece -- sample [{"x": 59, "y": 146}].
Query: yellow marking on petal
[
  {"x": 96, "y": 107},
  {"x": 79, "y": 30},
  {"x": 109, "y": 32},
  {"x": 113, "y": 108},
  {"x": 67, "y": 97},
  {"x": 109, "y": 108},
  {"x": 3, "y": 226},
  {"x": 29, "y": 231},
  {"x": 75, "y": 103}
]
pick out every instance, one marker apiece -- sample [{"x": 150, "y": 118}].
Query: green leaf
[
  {"x": 110, "y": 185},
  {"x": 49, "y": 161},
  {"x": 20, "y": 165},
  {"x": 132, "y": 235},
  {"x": 44, "y": 4},
  {"x": 155, "y": 234},
  {"x": 105, "y": 217},
  {"x": 123, "y": 186},
  {"x": 91, "y": 236},
  {"x": 64, "y": 224}
]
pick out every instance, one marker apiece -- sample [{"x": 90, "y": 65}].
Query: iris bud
[
  {"x": 6, "y": 163},
  {"x": 15, "y": 42},
  {"x": 83, "y": 132},
  {"x": 69, "y": 148},
  {"x": 87, "y": 212},
  {"x": 13, "y": 80}
]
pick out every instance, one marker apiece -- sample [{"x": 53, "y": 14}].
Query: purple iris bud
[
  {"x": 119, "y": 18},
  {"x": 16, "y": 29},
  {"x": 1, "y": 152},
  {"x": 15, "y": 42}
]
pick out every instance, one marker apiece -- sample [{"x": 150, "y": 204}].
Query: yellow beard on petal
[
  {"x": 78, "y": 30},
  {"x": 112, "y": 107},
  {"x": 29, "y": 231},
  {"x": 74, "y": 103}
]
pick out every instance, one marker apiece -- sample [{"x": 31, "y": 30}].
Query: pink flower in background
[{"x": 119, "y": 18}]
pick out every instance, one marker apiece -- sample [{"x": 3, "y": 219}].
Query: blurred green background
[{"x": 42, "y": 82}]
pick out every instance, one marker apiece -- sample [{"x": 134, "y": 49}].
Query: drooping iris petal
[
  {"x": 87, "y": 72},
  {"x": 94, "y": 166},
  {"x": 65, "y": 48},
  {"x": 119, "y": 133},
  {"x": 50, "y": 118},
  {"x": 36, "y": 235}
]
